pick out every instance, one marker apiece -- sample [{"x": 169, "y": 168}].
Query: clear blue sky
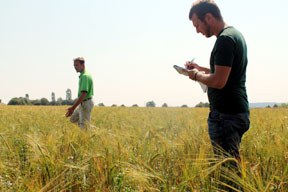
[{"x": 130, "y": 47}]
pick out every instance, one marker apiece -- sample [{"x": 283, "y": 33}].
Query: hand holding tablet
[{"x": 184, "y": 71}]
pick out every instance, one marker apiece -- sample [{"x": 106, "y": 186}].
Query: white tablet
[
  {"x": 181, "y": 70},
  {"x": 184, "y": 71}
]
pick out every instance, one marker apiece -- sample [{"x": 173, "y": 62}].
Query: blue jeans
[{"x": 226, "y": 131}]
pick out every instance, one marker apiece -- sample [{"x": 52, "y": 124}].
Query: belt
[{"x": 87, "y": 99}]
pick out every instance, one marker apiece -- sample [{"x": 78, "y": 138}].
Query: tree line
[
  {"x": 43, "y": 101},
  {"x": 69, "y": 101},
  {"x": 153, "y": 104}
]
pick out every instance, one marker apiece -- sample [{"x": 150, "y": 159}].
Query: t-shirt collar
[
  {"x": 82, "y": 73},
  {"x": 223, "y": 30}
]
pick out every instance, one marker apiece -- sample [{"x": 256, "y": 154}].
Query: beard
[{"x": 207, "y": 31}]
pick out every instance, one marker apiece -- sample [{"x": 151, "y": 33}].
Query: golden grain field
[{"x": 134, "y": 149}]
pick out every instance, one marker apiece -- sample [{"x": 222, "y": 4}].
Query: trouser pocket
[{"x": 226, "y": 130}]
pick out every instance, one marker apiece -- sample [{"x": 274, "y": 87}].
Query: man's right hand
[
  {"x": 70, "y": 111},
  {"x": 191, "y": 65}
]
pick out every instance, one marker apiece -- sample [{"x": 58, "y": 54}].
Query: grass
[{"x": 135, "y": 149}]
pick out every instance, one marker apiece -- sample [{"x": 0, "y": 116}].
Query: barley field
[{"x": 135, "y": 149}]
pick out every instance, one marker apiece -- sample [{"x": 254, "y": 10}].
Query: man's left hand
[
  {"x": 192, "y": 73},
  {"x": 70, "y": 111}
]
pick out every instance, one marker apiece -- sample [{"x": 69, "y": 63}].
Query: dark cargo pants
[{"x": 226, "y": 131}]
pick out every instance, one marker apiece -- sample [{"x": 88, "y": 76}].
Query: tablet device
[
  {"x": 184, "y": 71},
  {"x": 181, "y": 70}
]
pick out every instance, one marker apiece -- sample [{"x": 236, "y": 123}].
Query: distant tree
[
  {"x": 101, "y": 105},
  {"x": 285, "y": 105},
  {"x": 122, "y": 105},
  {"x": 18, "y": 101},
  {"x": 135, "y": 105},
  {"x": 23, "y": 101},
  {"x": 73, "y": 101},
  {"x": 184, "y": 106},
  {"x": 0, "y": 101},
  {"x": 150, "y": 104},
  {"x": 201, "y": 104},
  {"x": 44, "y": 101},
  {"x": 53, "y": 100},
  {"x": 164, "y": 105},
  {"x": 275, "y": 106},
  {"x": 36, "y": 102},
  {"x": 13, "y": 101},
  {"x": 68, "y": 102},
  {"x": 26, "y": 99},
  {"x": 64, "y": 102},
  {"x": 68, "y": 95},
  {"x": 59, "y": 101},
  {"x": 114, "y": 105},
  {"x": 268, "y": 106}
]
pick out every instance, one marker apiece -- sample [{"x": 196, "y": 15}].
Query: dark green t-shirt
[{"x": 230, "y": 50}]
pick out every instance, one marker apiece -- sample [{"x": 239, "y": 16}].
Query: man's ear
[{"x": 208, "y": 17}]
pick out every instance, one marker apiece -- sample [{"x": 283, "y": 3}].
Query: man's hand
[
  {"x": 191, "y": 65},
  {"x": 70, "y": 111},
  {"x": 192, "y": 74}
]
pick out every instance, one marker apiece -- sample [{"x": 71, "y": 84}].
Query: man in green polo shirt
[{"x": 80, "y": 112}]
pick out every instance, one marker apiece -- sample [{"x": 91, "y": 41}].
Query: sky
[{"x": 130, "y": 47}]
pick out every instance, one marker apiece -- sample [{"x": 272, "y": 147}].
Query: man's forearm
[
  {"x": 210, "y": 80},
  {"x": 79, "y": 100},
  {"x": 206, "y": 70},
  {"x": 216, "y": 80},
  {"x": 207, "y": 79}
]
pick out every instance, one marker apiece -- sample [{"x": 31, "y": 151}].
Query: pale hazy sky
[{"x": 130, "y": 47}]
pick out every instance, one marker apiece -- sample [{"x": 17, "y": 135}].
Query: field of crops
[{"x": 134, "y": 149}]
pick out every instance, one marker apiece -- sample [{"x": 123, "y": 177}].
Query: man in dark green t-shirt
[
  {"x": 80, "y": 112},
  {"x": 229, "y": 113}
]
